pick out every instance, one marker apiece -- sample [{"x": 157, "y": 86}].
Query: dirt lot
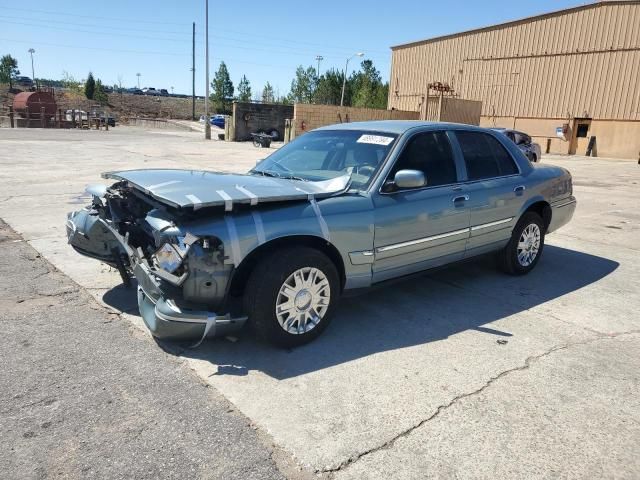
[
  {"x": 122, "y": 105},
  {"x": 462, "y": 373}
]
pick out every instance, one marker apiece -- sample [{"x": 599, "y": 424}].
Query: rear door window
[{"x": 484, "y": 156}]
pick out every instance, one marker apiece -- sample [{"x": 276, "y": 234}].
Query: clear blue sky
[{"x": 266, "y": 42}]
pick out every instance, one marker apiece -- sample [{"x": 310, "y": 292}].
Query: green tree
[
  {"x": 90, "y": 86},
  {"x": 268, "y": 95},
  {"x": 329, "y": 88},
  {"x": 99, "y": 95},
  {"x": 303, "y": 86},
  {"x": 71, "y": 84},
  {"x": 381, "y": 99},
  {"x": 222, "y": 87},
  {"x": 367, "y": 87},
  {"x": 244, "y": 90},
  {"x": 8, "y": 70}
]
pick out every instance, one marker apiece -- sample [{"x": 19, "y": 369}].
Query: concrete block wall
[
  {"x": 307, "y": 116},
  {"x": 250, "y": 117}
]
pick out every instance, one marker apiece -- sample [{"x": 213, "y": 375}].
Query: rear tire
[
  {"x": 524, "y": 249},
  {"x": 291, "y": 295}
]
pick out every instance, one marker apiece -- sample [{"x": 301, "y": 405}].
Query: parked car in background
[
  {"x": 217, "y": 120},
  {"x": 339, "y": 208},
  {"x": 108, "y": 119},
  {"x": 134, "y": 91},
  {"x": 531, "y": 149},
  {"x": 24, "y": 82},
  {"x": 150, "y": 91},
  {"x": 164, "y": 92}
]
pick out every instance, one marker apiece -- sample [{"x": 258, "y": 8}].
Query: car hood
[{"x": 198, "y": 188}]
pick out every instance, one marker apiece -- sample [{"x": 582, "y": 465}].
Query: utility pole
[
  {"x": 138, "y": 75},
  {"x": 207, "y": 125},
  {"x": 193, "y": 73},
  {"x": 33, "y": 74}
]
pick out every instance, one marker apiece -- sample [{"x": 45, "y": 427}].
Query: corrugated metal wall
[{"x": 579, "y": 62}]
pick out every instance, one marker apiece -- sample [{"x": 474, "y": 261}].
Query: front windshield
[{"x": 326, "y": 154}]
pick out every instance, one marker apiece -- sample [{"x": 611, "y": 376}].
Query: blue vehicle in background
[{"x": 217, "y": 120}]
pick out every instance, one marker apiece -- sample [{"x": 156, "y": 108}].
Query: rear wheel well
[
  {"x": 242, "y": 273},
  {"x": 543, "y": 209}
]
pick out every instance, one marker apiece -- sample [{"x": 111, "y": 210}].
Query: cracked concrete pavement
[
  {"x": 85, "y": 396},
  {"x": 463, "y": 372}
]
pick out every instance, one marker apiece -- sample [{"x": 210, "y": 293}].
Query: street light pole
[
  {"x": 138, "y": 75},
  {"x": 207, "y": 125},
  {"x": 319, "y": 58},
  {"x": 344, "y": 79},
  {"x": 33, "y": 74}
]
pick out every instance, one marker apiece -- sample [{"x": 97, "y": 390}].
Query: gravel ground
[{"x": 84, "y": 395}]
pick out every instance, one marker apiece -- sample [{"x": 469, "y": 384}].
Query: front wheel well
[
  {"x": 543, "y": 209},
  {"x": 242, "y": 273}
]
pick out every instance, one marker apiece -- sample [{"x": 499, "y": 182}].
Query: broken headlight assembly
[{"x": 170, "y": 256}]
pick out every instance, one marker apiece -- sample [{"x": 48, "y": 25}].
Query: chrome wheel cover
[
  {"x": 529, "y": 245},
  {"x": 303, "y": 300}
]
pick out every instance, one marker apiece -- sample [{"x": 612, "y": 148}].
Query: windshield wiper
[
  {"x": 265, "y": 173},
  {"x": 293, "y": 177},
  {"x": 270, "y": 173}
]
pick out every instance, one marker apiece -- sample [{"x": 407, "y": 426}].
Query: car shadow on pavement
[{"x": 412, "y": 312}]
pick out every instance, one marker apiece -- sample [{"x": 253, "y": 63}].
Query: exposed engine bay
[{"x": 125, "y": 228}]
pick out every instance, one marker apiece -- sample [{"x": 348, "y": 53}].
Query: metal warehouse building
[{"x": 563, "y": 77}]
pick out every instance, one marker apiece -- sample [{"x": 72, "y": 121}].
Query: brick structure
[{"x": 307, "y": 116}]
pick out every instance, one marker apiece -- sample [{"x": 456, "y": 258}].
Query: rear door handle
[
  {"x": 461, "y": 198},
  {"x": 519, "y": 190}
]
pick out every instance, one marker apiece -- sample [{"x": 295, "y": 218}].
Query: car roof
[{"x": 395, "y": 126}]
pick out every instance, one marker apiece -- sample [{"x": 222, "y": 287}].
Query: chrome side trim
[
  {"x": 491, "y": 224},
  {"x": 564, "y": 204},
  {"x": 421, "y": 240}
]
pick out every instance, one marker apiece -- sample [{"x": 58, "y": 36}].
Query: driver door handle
[{"x": 461, "y": 198}]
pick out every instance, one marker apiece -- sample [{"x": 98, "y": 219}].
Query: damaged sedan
[{"x": 338, "y": 209}]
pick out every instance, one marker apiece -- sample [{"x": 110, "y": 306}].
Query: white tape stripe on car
[
  {"x": 491, "y": 224},
  {"x": 228, "y": 203},
  {"x": 257, "y": 219},
  {"x": 252, "y": 196},
  {"x": 164, "y": 184},
  {"x": 195, "y": 200},
  {"x": 323, "y": 225},
  {"x": 233, "y": 239}
]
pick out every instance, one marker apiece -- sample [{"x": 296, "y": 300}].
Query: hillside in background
[{"x": 122, "y": 105}]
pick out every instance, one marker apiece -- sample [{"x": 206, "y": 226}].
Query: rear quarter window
[{"x": 484, "y": 156}]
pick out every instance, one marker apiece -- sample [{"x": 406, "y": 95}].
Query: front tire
[
  {"x": 523, "y": 251},
  {"x": 290, "y": 296}
]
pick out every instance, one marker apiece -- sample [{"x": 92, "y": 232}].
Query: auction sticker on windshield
[{"x": 375, "y": 139}]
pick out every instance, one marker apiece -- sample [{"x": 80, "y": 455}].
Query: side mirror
[{"x": 409, "y": 179}]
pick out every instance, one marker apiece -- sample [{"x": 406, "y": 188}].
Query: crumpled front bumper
[
  {"x": 160, "y": 302},
  {"x": 170, "y": 319}
]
